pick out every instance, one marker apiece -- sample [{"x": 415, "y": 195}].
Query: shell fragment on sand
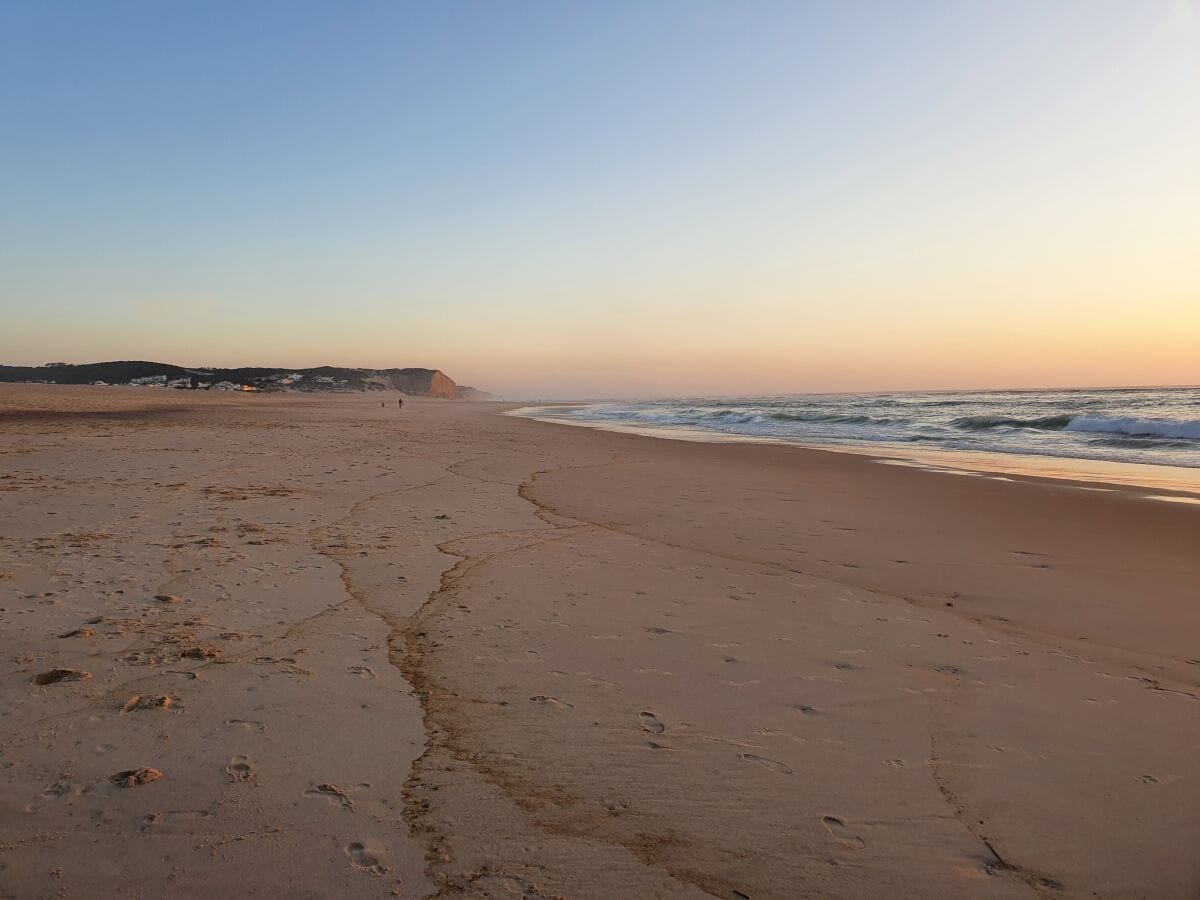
[{"x": 150, "y": 701}]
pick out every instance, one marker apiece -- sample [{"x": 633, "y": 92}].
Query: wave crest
[
  {"x": 834, "y": 419},
  {"x": 1045, "y": 423},
  {"x": 1160, "y": 425},
  {"x": 1162, "y": 428}
]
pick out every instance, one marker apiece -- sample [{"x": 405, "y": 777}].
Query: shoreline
[
  {"x": 1181, "y": 480},
  {"x": 451, "y": 651}
]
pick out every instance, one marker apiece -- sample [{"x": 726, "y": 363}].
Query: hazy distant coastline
[{"x": 418, "y": 382}]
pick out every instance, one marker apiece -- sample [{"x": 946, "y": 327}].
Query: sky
[{"x": 549, "y": 199}]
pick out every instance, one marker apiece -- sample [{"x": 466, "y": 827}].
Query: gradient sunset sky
[{"x": 602, "y": 199}]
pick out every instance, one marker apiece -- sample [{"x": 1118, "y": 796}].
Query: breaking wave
[
  {"x": 1127, "y": 425},
  {"x": 1188, "y": 429},
  {"x": 1146, "y": 425},
  {"x": 983, "y": 422}
]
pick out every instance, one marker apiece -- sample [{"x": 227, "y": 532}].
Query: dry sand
[{"x": 305, "y": 646}]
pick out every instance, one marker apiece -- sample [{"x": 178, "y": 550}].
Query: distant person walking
[{"x": 401, "y": 402}]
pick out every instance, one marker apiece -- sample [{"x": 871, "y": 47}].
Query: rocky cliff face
[
  {"x": 441, "y": 385},
  {"x": 421, "y": 382}
]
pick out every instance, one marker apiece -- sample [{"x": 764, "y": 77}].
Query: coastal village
[{"x": 194, "y": 382}]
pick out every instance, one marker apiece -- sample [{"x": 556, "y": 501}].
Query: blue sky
[{"x": 608, "y": 198}]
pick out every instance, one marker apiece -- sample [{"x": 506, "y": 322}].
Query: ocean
[{"x": 1158, "y": 426}]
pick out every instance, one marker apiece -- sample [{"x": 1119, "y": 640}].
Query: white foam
[
  {"x": 1164, "y": 428},
  {"x": 1159, "y": 426}
]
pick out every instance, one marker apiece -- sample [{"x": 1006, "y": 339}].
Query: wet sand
[{"x": 442, "y": 651}]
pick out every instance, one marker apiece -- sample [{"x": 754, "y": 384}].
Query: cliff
[{"x": 420, "y": 382}]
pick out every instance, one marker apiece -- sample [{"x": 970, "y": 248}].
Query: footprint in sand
[
  {"x": 246, "y": 724},
  {"x": 54, "y": 676},
  {"x": 62, "y": 789},
  {"x": 134, "y": 777},
  {"x": 285, "y": 664},
  {"x": 363, "y": 857},
  {"x": 1159, "y": 779},
  {"x": 651, "y": 723},
  {"x": 333, "y": 794},
  {"x": 79, "y": 632},
  {"x": 837, "y": 829},
  {"x": 204, "y": 651},
  {"x": 766, "y": 763},
  {"x": 552, "y": 701},
  {"x": 173, "y": 820},
  {"x": 240, "y": 768},
  {"x": 362, "y": 671}
]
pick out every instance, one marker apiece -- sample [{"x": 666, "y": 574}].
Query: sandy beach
[{"x": 312, "y": 646}]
